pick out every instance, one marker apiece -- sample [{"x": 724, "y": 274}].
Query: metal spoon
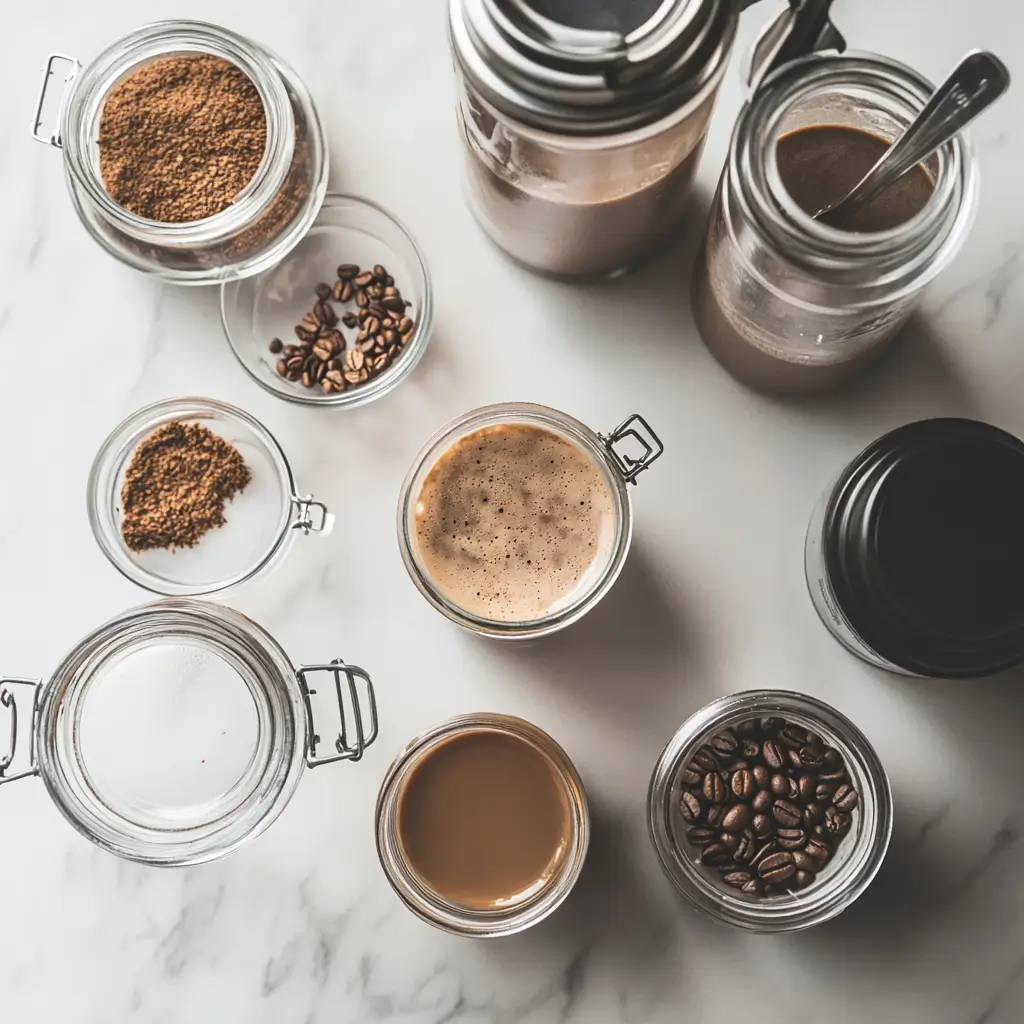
[{"x": 977, "y": 82}]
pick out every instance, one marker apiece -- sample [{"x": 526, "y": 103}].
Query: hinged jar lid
[
  {"x": 588, "y": 68},
  {"x": 178, "y": 731}
]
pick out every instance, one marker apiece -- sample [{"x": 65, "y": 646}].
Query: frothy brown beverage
[{"x": 510, "y": 519}]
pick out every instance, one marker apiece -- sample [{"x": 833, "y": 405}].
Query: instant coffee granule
[
  {"x": 176, "y": 486},
  {"x": 180, "y": 138}
]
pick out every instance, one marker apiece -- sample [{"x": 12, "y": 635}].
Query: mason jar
[
  {"x": 618, "y": 458},
  {"x": 271, "y": 214},
  {"x": 915, "y": 555},
  {"x": 857, "y": 858},
  {"x": 583, "y": 124},
  {"x": 177, "y": 732},
  {"x": 511, "y": 916},
  {"x": 786, "y": 303}
]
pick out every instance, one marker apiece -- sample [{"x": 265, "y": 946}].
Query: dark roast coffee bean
[
  {"x": 770, "y": 726},
  {"x": 762, "y": 776},
  {"x": 793, "y": 736},
  {"x": 833, "y": 759},
  {"x": 701, "y": 836},
  {"x": 812, "y": 758},
  {"x": 762, "y": 825},
  {"x": 805, "y": 862},
  {"x": 793, "y": 757},
  {"x": 835, "y": 775},
  {"x": 780, "y": 784},
  {"x": 824, "y": 791},
  {"x": 689, "y": 777},
  {"x": 738, "y": 879},
  {"x": 750, "y": 748},
  {"x": 802, "y": 879},
  {"x": 794, "y": 790},
  {"x": 737, "y": 817},
  {"x": 790, "y": 838},
  {"x": 777, "y": 867},
  {"x": 704, "y": 760},
  {"x": 730, "y": 840},
  {"x": 747, "y": 728},
  {"x": 766, "y": 849},
  {"x": 690, "y": 808},
  {"x": 787, "y": 814},
  {"x": 806, "y": 786},
  {"x": 715, "y": 855},
  {"x": 747, "y": 847},
  {"x": 763, "y": 801},
  {"x": 817, "y": 849},
  {"x": 716, "y": 812},
  {"x": 812, "y": 814},
  {"x": 724, "y": 743},
  {"x": 714, "y": 788},
  {"x": 845, "y": 798},
  {"x": 837, "y": 822},
  {"x": 772, "y": 755},
  {"x": 753, "y": 887},
  {"x": 742, "y": 784}
]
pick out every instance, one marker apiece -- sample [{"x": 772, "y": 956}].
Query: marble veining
[{"x": 300, "y": 927}]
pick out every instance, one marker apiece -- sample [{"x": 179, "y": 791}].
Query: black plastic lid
[{"x": 924, "y": 547}]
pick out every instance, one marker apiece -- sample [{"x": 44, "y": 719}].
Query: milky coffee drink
[{"x": 510, "y": 519}]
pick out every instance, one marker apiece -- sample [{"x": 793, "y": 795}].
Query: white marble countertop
[{"x": 301, "y": 926}]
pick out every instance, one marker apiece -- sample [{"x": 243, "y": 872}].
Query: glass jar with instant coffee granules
[
  {"x": 233, "y": 194},
  {"x": 583, "y": 123},
  {"x": 788, "y": 304}
]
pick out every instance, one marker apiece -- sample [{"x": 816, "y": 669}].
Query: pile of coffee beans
[
  {"x": 767, "y": 803},
  {"x": 323, "y": 357}
]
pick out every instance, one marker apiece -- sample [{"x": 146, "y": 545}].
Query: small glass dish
[
  {"x": 348, "y": 229},
  {"x": 262, "y": 521},
  {"x": 857, "y": 858}
]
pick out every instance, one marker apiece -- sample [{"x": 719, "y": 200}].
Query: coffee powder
[{"x": 180, "y": 137}]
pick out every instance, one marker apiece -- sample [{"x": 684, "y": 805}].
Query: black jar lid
[{"x": 924, "y": 546}]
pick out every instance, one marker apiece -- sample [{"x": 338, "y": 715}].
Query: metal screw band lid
[{"x": 590, "y": 80}]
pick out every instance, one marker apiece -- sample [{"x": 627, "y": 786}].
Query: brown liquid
[
  {"x": 483, "y": 819},
  {"x": 820, "y": 164},
  {"x": 509, "y": 519}
]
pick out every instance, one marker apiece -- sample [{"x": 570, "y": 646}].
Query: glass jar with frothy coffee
[
  {"x": 515, "y": 519},
  {"x": 791, "y": 305}
]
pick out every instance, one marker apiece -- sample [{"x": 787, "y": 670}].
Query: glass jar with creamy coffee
[
  {"x": 788, "y": 304},
  {"x": 515, "y": 519},
  {"x": 583, "y": 123}
]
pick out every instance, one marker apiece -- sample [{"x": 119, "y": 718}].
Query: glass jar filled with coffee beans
[{"x": 770, "y": 811}]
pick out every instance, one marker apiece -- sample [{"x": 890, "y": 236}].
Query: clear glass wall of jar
[
  {"x": 431, "y": 906},
  {"x": 581, "y": 145},
  {"x": 788, "y": 304},
  {"x": 272, "y": 213},
  {"x": 857, "y": 858}
]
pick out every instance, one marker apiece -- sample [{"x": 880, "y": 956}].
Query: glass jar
[
  {"x": 866, "y": 581},
  {"x": 177, "y": 732},
  {"x": 262, "y": 521},
  {"x": 858, "y": 856},
  {"x": 271, "y": 214},
  {"x": 788, "y": 304},
  {"x": 433, "y": 908},
  {"x": 583, "y": 129},
  {"x": 619, "y": 456}
]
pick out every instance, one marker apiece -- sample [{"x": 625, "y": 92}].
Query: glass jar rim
[
  {"x": 116, "y": 450},
  {"x": 91, "y": 87},
  {"x": 819, "y": 902},
  {"x": 914, "y": 251},
  {"x": 591, "y": 443},
  {"x": 434, "y": 909}
]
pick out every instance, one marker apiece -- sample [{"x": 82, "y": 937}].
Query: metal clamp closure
[
  {"x": 350, "y": 742},
  {"x": 54, "y": 139},
  {"x": 638, "y": 430},
  {"x": 7, "y": 701},
  {"x": 311, "y": 516}
]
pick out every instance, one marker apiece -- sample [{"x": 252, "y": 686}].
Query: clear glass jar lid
[
  {"x": 261, "y": 521},
  {"x": 178, "y": 731}
]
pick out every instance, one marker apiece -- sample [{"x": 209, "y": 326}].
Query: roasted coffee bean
[
  {"x": 738, "y": 879},
  {"x": 390, "y": 338},
  {"x": 833, "y": 759},
  {"x": 322, "y": 350},
  {"x": 724, "y": 743},
  {"x": 806, "y": 787},
  {"x": 350, "y": 320},
  {"x": 362, "y": 299},
  {"x": 380, "y": 272},
  {"x": 822, "y": 833},
  {"x": 701, "y": 836},
  {"x": 845, "y": 798},
  {"x": 802, "y": 879},
  {"x": 771, "y": 726},
  {"x": 714, "y": 788},
  {"x": 835, "y": 775},
  {"x": 812, "y": 757},
  {"x": 772, "y": 755},
  {"x": 762, "y": 803},
  {"x": 747, "y": 728},
  {"x": 308, "y": 379},
  {"x": 715, "y": 855},
  {"x": 737, "y": 817},
  {"x": 805, "y": 862},
  {"x": 742, "y": 784},
  {"x": 347, "y": 271},
  {"x": 276, "y": 345},
  {"x": 363, "y": 278},
  {"x": 762, "y": 776},
  {"x": 837, "y": 822},
  {"x": 405, "y": 325},
  {"x": 817, "y": 849},
  {"x": 395, "y": 304},
  {"x": 323, "y": 291},
  {"x": 812, "y": 814},
  {"x": 790, "y": 838},
  {"x": 793, "y": 757},
  {"x": 762, "y": 825},
  {"x": 747, "y": 847},
  {"x": 704, "y": 760},
  {"x": 792, "y": 736},
  {"x": 824, "y": 791},
  {"x": 689, "y": 777},
  {"x": 764, "y": 849},
  {"x": 690, "y": 808},
  {"x": 750, "y": 748},
  {"x": 716, "y": 812},
  {"x": 753, "y": 887},
  {"x": 780, "y": 784},
  {"x": 282, "y": 368},
  {"x": 786, "y": 813},
  {"x": 730, "y": 840},
  {"x": 777, "y": 867},
  {"x": 794, "y": 789}
]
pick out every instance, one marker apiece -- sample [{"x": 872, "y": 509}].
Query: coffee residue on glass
[
  {"x": 176, "y": 486},
  {"x": 181, "y": 137}
]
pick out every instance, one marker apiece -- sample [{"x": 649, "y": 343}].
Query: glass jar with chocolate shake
[
  {"x": 583, "y": 122},
  {"x": 791, "y": 305},
  {"x": 482, "y": 825},
  {"x": 515, "y": 519}
]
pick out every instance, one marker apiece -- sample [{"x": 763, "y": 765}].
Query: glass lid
[{"x": 192, "y": 496}]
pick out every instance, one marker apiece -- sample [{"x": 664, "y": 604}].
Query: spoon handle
[{"x": 976, "y": 82}]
